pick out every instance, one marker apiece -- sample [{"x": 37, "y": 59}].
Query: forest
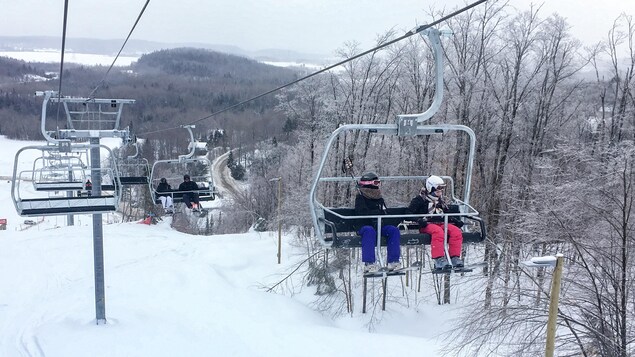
[
  {"x": 554, "y": 172},
  {"x": 171, "y": 87}
]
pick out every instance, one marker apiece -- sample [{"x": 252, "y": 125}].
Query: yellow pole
[
  {"x": 279, "y": 220},
  {"x": 553, "y": 306}
]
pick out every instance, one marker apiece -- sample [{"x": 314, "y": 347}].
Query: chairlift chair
[
  {"x": 59, "y": 171},
  {"x": 198, "y": 167},
  {"x": 44, "y": 197},
  {"x": 337, "y": 227},
  {"x": 133, "y": 170}
]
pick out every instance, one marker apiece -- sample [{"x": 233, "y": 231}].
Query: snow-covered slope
[{"x": 172, "y": 294}]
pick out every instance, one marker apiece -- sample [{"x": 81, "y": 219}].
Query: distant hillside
[
  {"x": 171, "y": 88},
  {"x": 11, "y": 69},
  {"x": 204, "y": 63},
  {"x": 139, "y": 47}
]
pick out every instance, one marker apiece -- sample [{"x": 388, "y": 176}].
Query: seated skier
[
  {"x": 370, "y": 202},
  {"x": 190, "y": 194},
  {"x": 89, "y": 187},
  {"x": 430, "y": 200},
  {"x": 166, "y": 198}
]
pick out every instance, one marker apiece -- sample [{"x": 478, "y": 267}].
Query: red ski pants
[{"x": 455, "y": 239}]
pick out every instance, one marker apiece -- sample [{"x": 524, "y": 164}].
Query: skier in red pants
[{"x": 430, "y": 200}]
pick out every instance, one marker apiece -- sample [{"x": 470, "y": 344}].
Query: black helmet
[
  {"x": 186, "y": 177},
  {"x": 369, "y": 179},
  {"x": 163, "y": 180}
]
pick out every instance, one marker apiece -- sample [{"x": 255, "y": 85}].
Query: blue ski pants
[{"x": 369, "y": 241}]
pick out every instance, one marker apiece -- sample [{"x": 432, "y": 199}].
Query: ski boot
[
  {"x": 441, "y": 263},
  {"x": 456, "y": 262}
]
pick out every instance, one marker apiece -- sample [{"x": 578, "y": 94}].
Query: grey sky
[{"x": 319, "y": 26}]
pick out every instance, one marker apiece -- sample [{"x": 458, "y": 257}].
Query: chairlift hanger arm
[
  {"x": 192, "y": 145},
  {"x": 136, "y": 147},
  {"x": 47, "y": 96},
  {"x": 435, "y": 40}
]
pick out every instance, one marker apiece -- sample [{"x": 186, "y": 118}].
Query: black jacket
[
  {"x": 164, "y": 187},
  {"x": 421, "y": 205},
  {"x": 365, "y": 206},
  {"x": 188, "y": 186}
]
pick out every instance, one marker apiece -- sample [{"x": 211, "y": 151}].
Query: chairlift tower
[{"x": 87, "y": 121}]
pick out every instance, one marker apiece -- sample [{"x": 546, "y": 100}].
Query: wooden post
[
  {"x": 279, "y": 179},
  {"x": 364, "y": 295},
  {"x": 553, "y": 306},
  {"x": 279, "y": 220},
  {"x": 384, "y": 282},
  {"x": 407, "y": 264}
]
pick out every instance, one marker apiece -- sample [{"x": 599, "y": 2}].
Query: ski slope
[{"x": 173, "y": 294}]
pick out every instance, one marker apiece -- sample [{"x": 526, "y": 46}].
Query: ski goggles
[{"x": 371, "y": 182}]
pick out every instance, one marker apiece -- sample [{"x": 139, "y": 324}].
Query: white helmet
[{"x": 433, "y": 183}]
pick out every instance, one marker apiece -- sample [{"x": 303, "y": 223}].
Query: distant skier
[
  {"x": 430, "y": 200},
  {"x": 88, "y": 186},
  {"x": 163, "y": 191},
  {"x": 190, "y": 194}
]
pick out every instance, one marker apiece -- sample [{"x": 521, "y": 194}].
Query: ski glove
[{"x": 457, "y": 222}]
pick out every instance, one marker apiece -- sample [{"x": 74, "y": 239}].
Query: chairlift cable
[
  {"x": 406, "y": 35},
  {"x": 120, "y": 50},
  {"x": 59, "y": 91}
]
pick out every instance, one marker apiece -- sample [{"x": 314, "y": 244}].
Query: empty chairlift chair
[
  {"x": 59, "y": 172},
  {"x": 133, "y": 170},
  {"x": 35, "y": 193}
]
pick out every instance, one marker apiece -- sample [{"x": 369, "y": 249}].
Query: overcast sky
[{"x": 317, "y": 26}]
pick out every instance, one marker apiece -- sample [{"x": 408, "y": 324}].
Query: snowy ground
[
  {"x": 172, "y": 294},
  {"x": 54, "y": 56}
]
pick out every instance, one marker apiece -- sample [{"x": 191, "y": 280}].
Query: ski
[
  {"x": 464, "y": 269},
  {"x": 202, "y": 212},
  {"x": 384, "y": 272},
  {"x": 414, "y": 266},
  {"x": 199, "y": 210}
]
